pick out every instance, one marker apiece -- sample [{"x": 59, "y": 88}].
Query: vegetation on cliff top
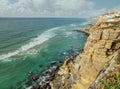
[{"x": 111, "y": 81}]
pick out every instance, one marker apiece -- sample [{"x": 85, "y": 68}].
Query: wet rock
[
  {"x": 37, "y": 87},
  {"x": 48, "y": 86},
  {"x": 35, "y": 77},
  {"x": 43, "y": 86},
  {"x": 52, "y": 74},
  {"x": 60, "y": 61},
  {"x": 66, "y": 57},
  {"x": 71, "y": 57},
  {"x": 83, "y": 31},
  {"x": 28, "y": 82},
  {"x": 33, "y": 87},
  {"x": 46, "y": 72},
  {"x": 53, "y": 63},
  {"x": 50, "y": 78},
  {"x": 40, "y": 65},
  {"x": 55, "y": 68}
]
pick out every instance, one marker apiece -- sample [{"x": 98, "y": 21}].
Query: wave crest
[{"x": 34, "y": 42}]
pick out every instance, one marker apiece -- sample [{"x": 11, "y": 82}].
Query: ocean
[{"x": 27, "y": 43}]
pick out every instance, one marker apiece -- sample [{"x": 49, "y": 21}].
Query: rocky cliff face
[{"x": 102, "y": 46}]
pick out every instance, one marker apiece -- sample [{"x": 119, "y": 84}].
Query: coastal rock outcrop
[
  {"x": 98, "y": 61},
  {"x": 102, "y": 46}
]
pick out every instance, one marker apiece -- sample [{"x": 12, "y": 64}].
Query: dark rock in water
[
  {"x": 60, "y": 61},
  {"x": 71, "y": 57},
  {"x": 46, "y": 72},
  {"x": 11, "y": 87},
  {"x": 52, "y": 75},
  {"x": 49, "y": 78},
  {"x": 40, "y": 65},
  {"x": 54, "y": 68},
  {"x": 33, "y": 87},
  {"x": 43, "y": 81},
  {"x": 35, "y": 77},
  {"x": 43, "y": 86},
  {"x": 37, "y": 87},
  {"x": 53, "y": 63},
  {"x": 82, "y": 50},
  {"x": 83, "y": 31},
  {"x": 77, "y": 52},
  {"x": 48, "y": 86},
  {"x": 28, "y": 83}
]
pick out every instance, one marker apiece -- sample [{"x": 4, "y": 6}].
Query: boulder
[{"x": 35, "y": 77}]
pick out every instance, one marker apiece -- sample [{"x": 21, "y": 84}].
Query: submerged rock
[
  {"x": 35, "y": 77},
  {"x": 40, "y": 65},
  {"x": 53, "y": 63}
]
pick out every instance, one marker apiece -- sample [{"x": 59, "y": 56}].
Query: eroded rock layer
[{"x": 102, "y": 46}]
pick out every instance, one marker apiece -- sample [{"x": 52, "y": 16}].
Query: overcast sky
[{"x": 56, "y": 8}]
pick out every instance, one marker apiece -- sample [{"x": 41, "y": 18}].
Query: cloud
[
  {"x": 30, "y": 8},
  {"x": 105, "y": 10},
  {"x": 97, "y": 12}
]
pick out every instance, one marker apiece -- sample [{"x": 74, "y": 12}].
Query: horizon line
[{"x": 44, "y": 17}]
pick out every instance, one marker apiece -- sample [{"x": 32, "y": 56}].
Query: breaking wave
[{"x": 34, "y": 42}]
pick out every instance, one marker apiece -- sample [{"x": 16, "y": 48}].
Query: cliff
[
  {"x": 97, "y": 67},
  {"x": 89, "y": 67}
]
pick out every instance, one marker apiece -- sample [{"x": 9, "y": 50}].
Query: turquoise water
[{"x": 27, "y": 43}]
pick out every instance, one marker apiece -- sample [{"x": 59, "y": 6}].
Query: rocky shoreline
[
  {"x": 86, "y": 68},
  {"x": 43, "y": 80},
  {"x": 83, "y": 31}
]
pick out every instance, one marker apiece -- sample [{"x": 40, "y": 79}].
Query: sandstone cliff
[{"x": 88, "y": 68}]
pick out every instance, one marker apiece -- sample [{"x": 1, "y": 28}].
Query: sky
[{"x": 57, "y": 8}]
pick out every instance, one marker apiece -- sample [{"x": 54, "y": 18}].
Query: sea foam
[
  {"x": 34, "y": 42},
  {"x": 50, "y": 33}
]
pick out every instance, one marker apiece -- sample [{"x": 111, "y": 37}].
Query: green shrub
[{"x": 112, "y": 81}]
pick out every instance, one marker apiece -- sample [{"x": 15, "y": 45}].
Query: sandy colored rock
[{"x": 99, "y": 49}]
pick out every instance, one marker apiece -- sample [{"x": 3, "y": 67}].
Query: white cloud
[{"x": 45, "y": 7}]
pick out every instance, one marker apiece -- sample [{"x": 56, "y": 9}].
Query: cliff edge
[{"x": 89, "y": 68}]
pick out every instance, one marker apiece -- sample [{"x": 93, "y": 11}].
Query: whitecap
[
  {"x": 67, "y": 34},
  {"x": 34, "y": 42},
  {"x": 72, "y": 25}
]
